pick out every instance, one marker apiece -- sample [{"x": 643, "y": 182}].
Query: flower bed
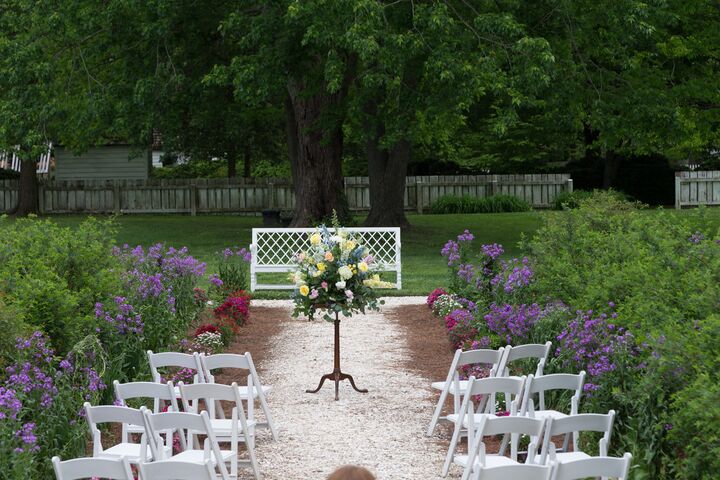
[
  {"x": 104, "y": 308},
  {"x": 629, "y": 297}
]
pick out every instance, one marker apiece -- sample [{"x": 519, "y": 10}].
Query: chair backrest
[
  {"x": 212, "y": 394},
  {"x": 115, "y": 469},
  {"x": 539, "y": 351},
  {"x": 555, "y": 381},
  {"x": 176, "y": 470},
  {"x": 112, "y": 414},
  {"x": 174, "y": 359},
  {"x": 155, "y": 391},
  {"x": 227, "y": 360},
  {"x": 480, "y": 356},
  {"x": 594, "y": 467},
  {"x": 584, "y": 422},
  {"x": 515, "y": 472},
  {"x": 486, "y": 386},
  {"x": 512, "y": 424}
]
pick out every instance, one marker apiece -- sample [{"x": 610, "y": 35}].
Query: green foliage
[
  {"x": 661, "y": 269},
  {"x": 470, "y": 204},
  {"x": 192, "y": 169},
  {"x": 570, "y": 200},
  {"x": 51, "y": 274},
  {"x": 13, "y": 326}
]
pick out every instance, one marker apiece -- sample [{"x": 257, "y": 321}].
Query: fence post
[
  {"x": 41, "y": 199},
  {"x": 493, "y": 187},
  {"x": 569, "y": 185},
  {"x": 678, "y": 181},
  {"x": 116, "y": 198},
  {"x": 418, "y": 197},
  {"x": 193, "y": 199}
]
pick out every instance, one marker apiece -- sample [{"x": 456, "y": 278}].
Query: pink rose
[
  {"x": 349, "y": 294},
  {"x": 314, "y": 294},
  {"x": 324, "y": 285}
]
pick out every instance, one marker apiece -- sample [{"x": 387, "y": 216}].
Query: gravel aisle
[{"x": 381, "y": 430}]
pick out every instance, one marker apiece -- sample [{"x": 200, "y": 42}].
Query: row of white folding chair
[
  {"x": 233, "y": 430},
  {"x": 516, "y": 426},
  {"x": 498, "y": 361},
  {"x": 518, "y": 394},
  {"x": 573, "y": 470},
  {"x": 204, "y": 365},
  {"x": 119, "y": 469}
]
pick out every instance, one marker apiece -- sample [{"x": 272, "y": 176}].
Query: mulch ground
[
  {"x": 256, "y": 337},
  {"x": 430, "y": 356}
]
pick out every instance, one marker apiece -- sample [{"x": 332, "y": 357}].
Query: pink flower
[
  {"x": 324, "y": 285},
  {"x": 314, "y": 294},
  {"x": 349, "y": 294}
]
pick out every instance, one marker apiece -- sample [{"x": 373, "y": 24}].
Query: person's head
[{"x": 351, "y": 472}]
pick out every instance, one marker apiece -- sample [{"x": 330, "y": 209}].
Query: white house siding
[{"x": 112, "y": 162}]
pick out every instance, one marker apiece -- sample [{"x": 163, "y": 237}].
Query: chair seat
[
  {"x": 490, "y": 461},
  {"x": 441, "y": 386},
  {"x": 477, "y": 417},
  {"x": 570, "y": 456},
  {"x": 543, "y": 414},
  {"x": 223, "y": 427},
  {"x": 131, "y": 451},
  {"x": 243, "y": 391},
  {"x": 198, "y": 456}
]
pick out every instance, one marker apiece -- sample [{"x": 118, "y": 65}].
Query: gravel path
[{"x": 381, "y": 430}]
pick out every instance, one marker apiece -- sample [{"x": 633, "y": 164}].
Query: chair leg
[
  {"x": 437, "y": 412},
  {"x": 268, "y": 416},
  {"x": 452, "y": 447},
  {"x": 250, "y": 442}
]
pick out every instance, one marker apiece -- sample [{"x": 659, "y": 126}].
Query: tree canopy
[{"x": 494, "y": 85}]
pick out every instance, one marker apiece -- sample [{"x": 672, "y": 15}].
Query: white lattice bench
[{"x": 272, "y": 250}]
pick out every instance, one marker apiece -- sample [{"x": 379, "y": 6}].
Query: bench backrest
[{"x": 273, "y": 248}]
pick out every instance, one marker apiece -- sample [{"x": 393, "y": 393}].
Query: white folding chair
[
  {"x": 189, "y": 361},
  {"x": 233, "y": 430},
  {"x": 537, "y": 351},
  {"x": 514, "y": 472},
  {"x": 134, "y": 452},
  {"x": 584, "y": 422},
  {"x": 194, "y": 424},
  {"x": 115, "y": 469},
  {"x": 456, "y": 387},
  {"x": 469, "y": 417},
  {"x": 254, "y": 388},
  {"x": 174, "y": 470},
  {"x": 506, "y": 426},
  {"x": 555, "y": 381},
  {"x": 606, "y": 467},
  {"x": 147, "y": 390}
]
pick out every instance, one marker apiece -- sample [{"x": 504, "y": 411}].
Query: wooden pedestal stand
[{"x": 337, "y": 375}]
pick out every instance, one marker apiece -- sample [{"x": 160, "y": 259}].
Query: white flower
[
  {"x": 349, "y": 294},
  {"x": 336, "y": 238},
  {"x": 340, "y": 285},
  {"x": 345, "y": 272}
]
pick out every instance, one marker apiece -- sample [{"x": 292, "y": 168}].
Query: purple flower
[
  {"x": 451, "y": 251},
  {"x": 493, "y": 251},
  {"x": 511, "y": 322},
  {"x": 696, "y": 238},
  {"x": 227, "y": 253},
  {"x": 215, "y": 280},
  {"x": 245, "y": 255},
  {"x": 9, "y": 404},
  {"x": 466, "y": 271},
  {"x": 466, "y": 236}
]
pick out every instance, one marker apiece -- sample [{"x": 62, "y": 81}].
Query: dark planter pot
[{"x": 271, "y": 218}]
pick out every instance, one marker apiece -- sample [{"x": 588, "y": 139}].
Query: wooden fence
[
  {"x": 697, "y": 188},
  {"x": 254, "y": 195}
]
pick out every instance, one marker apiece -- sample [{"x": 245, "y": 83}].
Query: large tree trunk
[
  {"x": 232, "y": 163},
  {"x": 387, "y": 170},
  {"x": 28, "y": 201},
  {"x": 317, "y": 163}
]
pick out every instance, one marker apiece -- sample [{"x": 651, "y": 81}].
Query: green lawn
[{"x": 423, "y": 267}]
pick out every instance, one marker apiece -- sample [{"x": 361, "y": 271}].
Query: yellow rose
[
  {"x": 304, "y": 290},
  {"x": 329, "y": 256},
  {"x": 363, "y": 267},
  {"x": 317, "y": 273},
  {"x": 315, "y": 239},
  {"x": 321, "y": 266},
  {"x": 349, "y": 245}
]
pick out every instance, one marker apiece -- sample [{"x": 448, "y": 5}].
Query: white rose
[
  {"x": 345, "y": 272},
  {"x": 336, "y": 238},
  {"x": 340, "y": 285}
]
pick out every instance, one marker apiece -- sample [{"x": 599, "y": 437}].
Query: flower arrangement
[{"x": 337, "y": 274}]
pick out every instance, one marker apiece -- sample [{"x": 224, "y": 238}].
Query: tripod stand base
[{"x": 337, "y": 376}]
